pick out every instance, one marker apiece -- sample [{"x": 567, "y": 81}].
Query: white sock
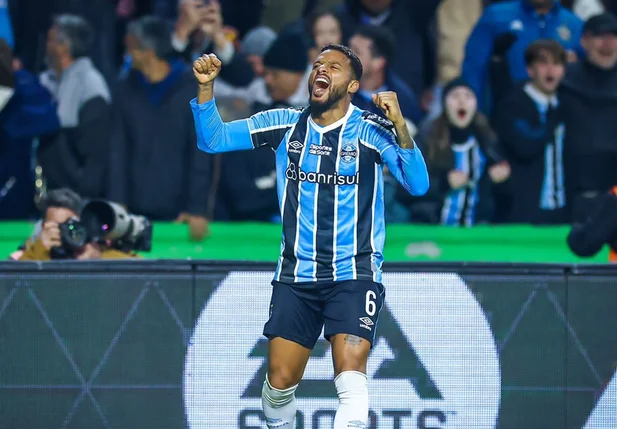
[
  {"x": 279, "y": 406},
  {"x": 352, "y": 390}
]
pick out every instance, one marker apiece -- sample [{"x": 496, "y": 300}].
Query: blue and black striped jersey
[{"x": 330, "y": 185}]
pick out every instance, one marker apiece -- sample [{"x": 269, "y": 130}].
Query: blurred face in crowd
[
  {"x": 376, "y": 6},
  {"x": 546, "y": 73},
  {"x": 281, "y": 84},
  {"x": 257, "y": 64},
  {"x": 59, "y": 214},
  {"x": 140, "y": 57},
  {"x": 461, "y": 106},
  {"x": 363, "y": 48},
  {"x": 327, "y": 30},
  {"x": 57, "y": 52},
  {"x": 601, "y": 49},
  {"x": 331, "y": 80}
]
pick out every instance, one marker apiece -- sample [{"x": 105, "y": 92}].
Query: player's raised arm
[
  {"x": 404, "y": 160},
  {"x": 214, "y": 135}
]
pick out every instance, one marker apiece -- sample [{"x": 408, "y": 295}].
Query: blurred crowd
[{"x": 513, "y": 103}]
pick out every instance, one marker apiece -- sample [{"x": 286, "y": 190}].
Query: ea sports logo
[{"x": 434, "y": 363}]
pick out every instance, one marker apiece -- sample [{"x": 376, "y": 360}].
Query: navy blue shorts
[{"x": 299, "y": 312}]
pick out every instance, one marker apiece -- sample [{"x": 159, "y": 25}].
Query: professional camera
[
  {"x": 104, "y": 222},
  {"x": 110, "y": 222},
  {"x": 73, "y": 236}
]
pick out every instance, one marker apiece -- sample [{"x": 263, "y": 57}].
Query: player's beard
[{"x": 318, "y": 108}]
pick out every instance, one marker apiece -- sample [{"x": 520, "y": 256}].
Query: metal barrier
[{"x": 177, "y": 344}]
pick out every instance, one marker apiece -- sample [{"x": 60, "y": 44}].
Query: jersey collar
[{"x": 334, "y": 125}]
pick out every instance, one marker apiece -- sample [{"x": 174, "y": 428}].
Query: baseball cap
[{"x": 601, "y": 24}]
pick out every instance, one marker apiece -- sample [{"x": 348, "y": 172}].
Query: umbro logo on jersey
[{"x": 296, "y": 146}]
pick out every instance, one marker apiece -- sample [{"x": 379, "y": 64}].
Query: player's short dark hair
[
  {"x": 383, "y": 41},
  {"x": 61, "y": 198},
  {"x": 76, "y": 33},
  {"x": 356, "y": 64},
  {"x": 540, "y": 48}
]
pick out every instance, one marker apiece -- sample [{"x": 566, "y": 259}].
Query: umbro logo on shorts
[{"x": 366, "y": 321}]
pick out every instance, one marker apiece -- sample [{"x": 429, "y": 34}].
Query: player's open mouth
[
  {"x": 461, "y": 113},
  {"x": 550, "y": 79},
  {"x": 320, "y": 86}
]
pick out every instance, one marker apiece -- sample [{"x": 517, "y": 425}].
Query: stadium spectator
[
  {"x": 27, "y": 110},
  {"x": 234, "y": 101},
  {"x": 495, "y": 51},
  {"x": 58, "y": 207},
  {"x": 75, "y": 156},
  {"x": 155, "y": 167},
  {"x": 324, "y": 28},
  {"x": 454, "y": 24},
  {"x": 284, "y": 67},
  {"x": 530, "y": 125},
  {"x": 200, "y": 28},
  {"x": 32, "y": 20},
  {"x": 410, "y": 22},
  {"x": 247, "y": 185},
  {"x": 589, "y": 98},
  {"x": 376, "y": 48},
  {"x": 459, "y": 145},
  {"x": 254, "y": 46}
]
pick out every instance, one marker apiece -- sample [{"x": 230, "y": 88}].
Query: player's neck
[{"x": 330, "y": 116}]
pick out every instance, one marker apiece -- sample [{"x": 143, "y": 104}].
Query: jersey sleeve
[
  {"x": 264, "y": 128},
  {"x": 406, "y": 165}
]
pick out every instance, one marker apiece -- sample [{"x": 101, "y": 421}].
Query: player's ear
[{"x": 353, "y": 86}]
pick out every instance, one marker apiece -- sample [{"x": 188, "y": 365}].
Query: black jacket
[
  {"x": 410, "y": 21},
  {"x": 155, "y": 166},
  {"x": 247, "y": 185},
  {"x": 599, "y": 228},
  {"x": 237, "y": 72},
  {"x": 524, "y": 136},
  {"x": 76, "y": 156},
  {"x": 589, "y": 99}
]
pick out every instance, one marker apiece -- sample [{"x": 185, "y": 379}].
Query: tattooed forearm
[
  {"x": 353, "y": 340},
  {"x": 402, "y": 135}
]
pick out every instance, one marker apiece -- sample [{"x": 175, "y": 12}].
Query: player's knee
[
  {"x": 352, "y": 387},
  {"x": 347, "y": 365},
  {"x": 282, "y": 378},
  {"x": 277, "y": 397}
]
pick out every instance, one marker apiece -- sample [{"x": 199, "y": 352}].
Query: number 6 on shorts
[{"x": 370, "y": 306}]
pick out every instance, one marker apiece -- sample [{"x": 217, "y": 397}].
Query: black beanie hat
[
  {"x": 454, "y": 83},
  {"x": 288, "y": 52}
]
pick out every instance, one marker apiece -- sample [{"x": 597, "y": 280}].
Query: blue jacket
[
  {"x": 6, "y": 30},
  {"x": 31, "y": 112},
  {"x": 517, "y": 17}
]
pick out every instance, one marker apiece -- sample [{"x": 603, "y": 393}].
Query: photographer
[{"x": 59, "y": 207}]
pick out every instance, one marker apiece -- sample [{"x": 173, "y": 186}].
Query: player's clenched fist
[
  {"x": 206, "y": 68},
  {"x": 387, "y": 101}
]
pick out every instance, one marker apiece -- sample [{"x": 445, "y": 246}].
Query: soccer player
[{"x": 330, "y": 159}]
